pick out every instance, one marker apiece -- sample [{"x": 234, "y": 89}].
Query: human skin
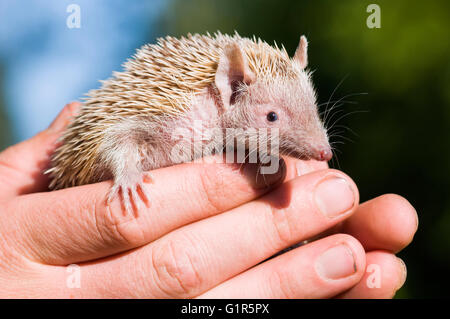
[{"x": 208, "y": 232}]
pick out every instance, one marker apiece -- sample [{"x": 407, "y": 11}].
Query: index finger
[
  {"x": 73, "y": 225},
  {"x": 296, "y": 167}
]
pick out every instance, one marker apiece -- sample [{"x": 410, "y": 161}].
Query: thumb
[{"x": 22, "y": 165}]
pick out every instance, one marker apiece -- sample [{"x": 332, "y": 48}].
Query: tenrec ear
[
  {"x": 301, "y": 54},
  {"x": 232, "y": 69}
]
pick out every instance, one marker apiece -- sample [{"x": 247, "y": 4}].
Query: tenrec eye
[{"x": 272, "y": 116}]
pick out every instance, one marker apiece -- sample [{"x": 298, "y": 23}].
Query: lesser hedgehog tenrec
[{"x": 125, "y": 127}]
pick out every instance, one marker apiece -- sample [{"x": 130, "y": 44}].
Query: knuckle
[
  {"x": 282, "y": 223},
  {"x": 8, "y": 254},
  {"x": 175, "y": 266},
  {"x": 114, "y": 225},
  {"x": 212, "y": 189},
  {"x": 281, "y": 285}
]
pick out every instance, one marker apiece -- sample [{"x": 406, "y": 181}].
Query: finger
[
  {"x": 320, "y": 269},
  {"x": 72, "y": 225},
  {"x": 296, "y": 167},
  {"x": 384, "y": 275},
  {"x": 22, "y": 165},
  {"x": 197, "y": 257},
  {"x": 388, "y": 222}
]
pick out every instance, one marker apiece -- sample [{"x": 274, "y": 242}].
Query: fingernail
[
  {"x": 404, "y": 273},
  {"x": 260, "y": 180},
  {"x": 334, "y": 196},
  {"x": 335, "y": 263}
]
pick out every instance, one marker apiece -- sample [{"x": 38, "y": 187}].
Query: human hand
[
  {"x": 384, "y": 226},
  {"x": 206, "y": 229}
]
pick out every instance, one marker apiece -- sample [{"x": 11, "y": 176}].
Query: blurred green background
[{"x": 401, "y": 122}]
